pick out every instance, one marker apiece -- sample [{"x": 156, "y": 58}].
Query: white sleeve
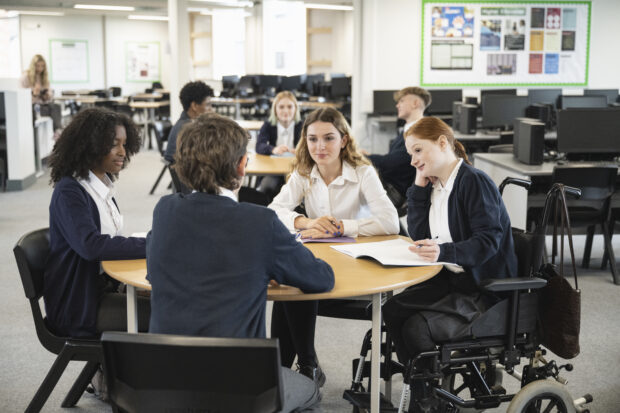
[
  {"x": 384, "y": 218},
  {"x": 289, "y": 198}
]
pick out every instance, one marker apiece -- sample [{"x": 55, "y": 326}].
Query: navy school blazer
[
  {"x": 478, "y": 221},
  {"x": 72, "y": 279},
  {"x": 395, "y": 166},
  {"x": 268, "y": 136}
]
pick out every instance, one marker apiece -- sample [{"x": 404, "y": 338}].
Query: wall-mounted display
[
  {"x": 503, "y": 43},
  {"x": 68, "y": 61},
  {"x": 142, "y": 61}
]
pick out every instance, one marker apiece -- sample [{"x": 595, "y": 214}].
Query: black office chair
[
  {"x": 31, "y": 252},
  {"x": 161, "y": 132},
  {"x": 125, "y": 109},
  {"x": 262, "y": 106},
  {"x": 115, "y": 91},
  {"x": 165, "y": 373},
  {"x": 597, "y": 184}
]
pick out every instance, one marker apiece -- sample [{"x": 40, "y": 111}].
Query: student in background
[
  {"x": 86, "y": 226},
  {"x": 342, "y": 195},
  {"x": 210, "y": 258},
  {"x": 36, "y": 78},
  {"x": 194, "y": 97},
  {"x": 395, "y": 167},
  {"x": 279, "y": 135},
  {"x": 455, "y": 215}
]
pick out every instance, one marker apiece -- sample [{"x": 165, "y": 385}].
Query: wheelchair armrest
[{"x": 512, "y": 284}]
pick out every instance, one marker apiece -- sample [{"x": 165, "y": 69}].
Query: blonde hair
[
  {"x": 32, "y": 72},
  {"x": 431, "y": 128},
  {"x": 285, "y": 94},
  {"x": 304, "y": 163}
]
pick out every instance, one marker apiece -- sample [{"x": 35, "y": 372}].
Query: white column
[{"x": 178, "y": 48}]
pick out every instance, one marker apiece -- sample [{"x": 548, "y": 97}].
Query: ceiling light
[
  {"x": 327, "y": 6},
  {"x": 38, "y": 13},
  {"x": 144, "y": 17},
  {"x": 103, "y": 7}
]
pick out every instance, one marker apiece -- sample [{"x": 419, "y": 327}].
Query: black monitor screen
[
  {"x": 341, "y": 87},
  {"x": 611, "y": 94},
  {"x": 2, "y": 109},
  {"x": 500, "y": 110},
  {"x": 584, "y": 102},
  {"x": 589, "y": 130},
  {"x": 383, "y": 102},
  {"x": 247, "y": 82},
  {"x": 312, "y": 83},
  {"x": 549, "y": 96},
  {"x": 268, "y": 81},
  {"x": 441, "y": 101},
  {"x": 291, "y": 83}
]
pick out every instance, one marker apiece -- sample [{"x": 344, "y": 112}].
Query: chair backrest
[
  {"x": 160, "y": 373},
  {"x": 597, "y": 183},
  {"x": 160, "y": 138}
]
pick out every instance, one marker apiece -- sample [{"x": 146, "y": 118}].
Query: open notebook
[{"x": 392, "y": 252}]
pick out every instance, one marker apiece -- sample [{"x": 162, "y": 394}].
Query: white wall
[
  {"x": 119, "y": 31},
  {"x": 10, "y": 61},
  {"x": 284, "y": 37},
  {"x": 604, "y": 45},
  {"x": 36, "y": 32},
  {"x": 336, "y": 46}
]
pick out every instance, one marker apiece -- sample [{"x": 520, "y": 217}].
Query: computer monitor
[
  {"x": 584, "y": 102},
  {"x": 383, "y": 102},
  {"x": 312, "y": 83},
  {"x": 486, "y": 92},
  {"x": 589, "y": 133},
  {"x": 292, "y": 83},
  {"x": 268, "y": 84},
  {"x": 2, "y": 108},
  {"x": 441, "y": 101},
  {"x": 246, "y": 83},
  {"x": 549, "y": 96},
  {"x": 611, "y": 94},
  {"x": 499, "y": 111},
  {"x": 341, "y": 88},
  {"x": 229, "y": 83}
]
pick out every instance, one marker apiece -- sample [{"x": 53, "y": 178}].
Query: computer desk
[
  {"x": 354, "y": 278},
  {"x": 517, "y": 200}
]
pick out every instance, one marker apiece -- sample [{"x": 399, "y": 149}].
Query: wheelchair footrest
[
  {"x": 396, "y": 368},
  {"x": 362, "y": 400}
]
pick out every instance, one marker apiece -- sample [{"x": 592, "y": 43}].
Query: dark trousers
[
  {"x": 402, "y": 313},
  {"x": 293, "y": 323},
  {"x": 112, "y": 313}
]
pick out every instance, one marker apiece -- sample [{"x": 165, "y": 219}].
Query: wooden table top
[
  {"x": 250, "y": 124},
  {"x": 354, "y": 277},
  {"x": 269, "y": 165},
  {"x": 147, "y": 96},
  {"x": 149, "y": 105}
]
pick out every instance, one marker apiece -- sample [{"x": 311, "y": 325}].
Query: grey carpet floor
[{"x": 24, "y": 363}]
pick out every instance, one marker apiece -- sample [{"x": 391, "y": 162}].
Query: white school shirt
[
  {"x": 102, "y": 193},
  {"x": 228, "y": 193},
  {"x": 438, "y": 213},
  {"x": 286, "y": 136},
  {"x": 356, "y": 197}
]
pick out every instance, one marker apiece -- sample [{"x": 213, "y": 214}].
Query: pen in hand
[{"x": 420, "y": 246}]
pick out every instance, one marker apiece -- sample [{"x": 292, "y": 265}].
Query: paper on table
[
  {"x": 332, "y": 239},
  {"x": 392, "y": 252}
]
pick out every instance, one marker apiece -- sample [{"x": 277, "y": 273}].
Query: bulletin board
[
  {"x": 505, "y": 43},
  {"x": 69, "y": 61},
  {"x": 142, "y": 61}
]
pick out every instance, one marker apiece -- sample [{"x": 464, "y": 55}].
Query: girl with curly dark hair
[{"x": 86, "y": 224}]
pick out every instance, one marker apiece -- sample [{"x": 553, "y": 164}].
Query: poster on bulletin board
[
  {"x": 505, "y": 43},
  {"x": 68, "y": 61},
  {"x": 142, "y": 61}
]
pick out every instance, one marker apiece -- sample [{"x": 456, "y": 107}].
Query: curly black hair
[
  {"x": 89, "y": 137},
  {"x": 194, "y": 92}
]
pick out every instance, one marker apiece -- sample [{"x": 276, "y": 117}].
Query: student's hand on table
[
  {"x": 279, "y": 150},
  {"x": 427, "y": 249},
  {"x": 315, "y": 233},
  {"x": 326, "y": 224}
]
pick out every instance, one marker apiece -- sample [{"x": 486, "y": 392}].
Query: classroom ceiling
[{"x": 158, "y": 7}]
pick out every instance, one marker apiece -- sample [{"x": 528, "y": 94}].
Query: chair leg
[
  {"x": 610, "y": 252},
  {"x": 50, "y": 381},
  {"x": 612, "y": 224},
  {"x": 161, "y": 174},
  {"x": 587, "y": 250},
  {"x": 80, "y": 384}
]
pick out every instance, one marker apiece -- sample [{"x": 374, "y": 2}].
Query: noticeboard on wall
[
  {"x": 505, "y": 43},
  {"x": 142, "y": 61},
  {"x": 68, "y": 61}
]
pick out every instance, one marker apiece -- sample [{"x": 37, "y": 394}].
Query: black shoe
[{"x": 314, "y": 373}]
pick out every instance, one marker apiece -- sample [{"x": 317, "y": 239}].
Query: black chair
[
  {"x": 262, "y": 106},
  {"x": 161, "y": 137},
  {"x": 165, "y": 373},
  {"x": 597, "y": 184},
  {"x": 115, "y": 91},
  {"x": 31, "y": 252}
]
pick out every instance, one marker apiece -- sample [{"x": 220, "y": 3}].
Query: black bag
[{"x": 559, "y": 302}]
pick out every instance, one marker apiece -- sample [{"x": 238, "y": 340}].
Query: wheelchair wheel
[
  {"x": 542, "y": 396},
  {"x": 457, "y": 385}
]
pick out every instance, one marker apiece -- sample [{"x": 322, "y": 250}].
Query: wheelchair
[{"x": 466, "y": 374}]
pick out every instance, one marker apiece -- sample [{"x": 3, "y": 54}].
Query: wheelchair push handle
[
  {"x": 572, "y": 191},
  {"x": 514, "y": 181}
]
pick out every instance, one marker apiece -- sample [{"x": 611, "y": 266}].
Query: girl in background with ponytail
[{"x": 455, "y": 215}]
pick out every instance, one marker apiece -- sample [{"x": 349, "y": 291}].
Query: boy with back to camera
[{"x": 210, "y": 258}]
